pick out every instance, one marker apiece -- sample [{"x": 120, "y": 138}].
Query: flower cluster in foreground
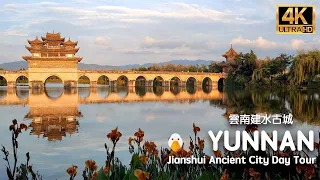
[{"x": 150, "y": 162}]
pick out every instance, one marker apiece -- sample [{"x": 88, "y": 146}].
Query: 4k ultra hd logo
[{"x": 296, "y": 19}]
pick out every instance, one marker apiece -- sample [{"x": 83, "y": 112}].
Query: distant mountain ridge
[{"x": 24, "y": 65}]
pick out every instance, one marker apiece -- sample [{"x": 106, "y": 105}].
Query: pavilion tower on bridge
[
  {"x": 55, "y": 55},
  {"x": 230, "y": 59}
]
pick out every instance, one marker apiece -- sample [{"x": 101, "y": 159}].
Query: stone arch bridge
[
  {"x": 71, "y": 78},
  {"x": 53, "y": 56}
]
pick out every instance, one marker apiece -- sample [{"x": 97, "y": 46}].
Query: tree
[
  {"x": 245, "y": 64},
  {"x": 214, "y": 68},
  {"x": 142, "y": 68},
  {"x": 275, "y": 67},
  {"x": 204, "y": 68},
  {"x": 279, "y": 64},
  {"x": 154, "y": 67},
  {"x": 305, "y": 67}
]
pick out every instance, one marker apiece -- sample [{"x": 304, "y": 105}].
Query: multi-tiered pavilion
[{"x": 52, "y": 55}]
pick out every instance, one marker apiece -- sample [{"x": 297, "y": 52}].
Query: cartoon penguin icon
[{"x": 175, "y": 142}]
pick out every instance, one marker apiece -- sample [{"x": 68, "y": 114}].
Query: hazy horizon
[{"x": 141, "y": 64}]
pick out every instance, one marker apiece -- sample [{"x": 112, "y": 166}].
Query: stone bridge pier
[
  {"x": 149, "y": 83},
  {"x": 70, "y": 84}
]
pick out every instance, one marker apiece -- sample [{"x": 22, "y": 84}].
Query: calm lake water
[{"x": 69, "y": 126}]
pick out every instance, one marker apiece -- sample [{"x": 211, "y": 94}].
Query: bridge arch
[
  {"x": 122, "y": 81},
  {"x": 103, "y": 80},
  {"x": 207, "y": 81},
  {"x": 141, "y": 90},
  {"x": 3, "y": 93},
  {"x": 207, "y": 89},
  {"x": 158, "y": 81},
  {"x": 191, "y": 89},
  {"x": 53, "y": 81},
  {"x": 122, "y": 92},
  {"x": 3, "y": 81},
  {"x": 22, "y": 93},
  {"x": 175, "y": 81},
  {"x": 191, "y": 81},
  {"x": 103, "y": 92},
  {"x": 175, "y": 90},
  {"x": 221, "y": 83},
  {"x": 158, "y": 90},
  {"x": 53, "y": 87},
  {"x": 84, "y": 81},
  {"x": 53, "y": 93},
  {"x": 141, "y": 81},
  {"x": 191, "y": 85},
  {"x": 84, "y": 92},
  {"x": 22, "y": 81}
]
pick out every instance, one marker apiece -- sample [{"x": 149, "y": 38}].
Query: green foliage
[
  {"x": 305, "y": 67},
  {"x": 215, "y": 68},
  {"x": 142, "y": 69},
  {"x": 279, "y": 64},
  {"x": 269, "y": 72},
  {"x": 241, "y": 71},
  {"x": 174, "y": 68},
  {"x": 272, "y": 71},
  {"x": 102, "y": 175}
]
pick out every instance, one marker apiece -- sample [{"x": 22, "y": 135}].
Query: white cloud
[
  {"x": 297, "y": 43},
  {"x": 150, "y": 42},
  {"x": 102, "y": 42},
  {"x": 263, "y": 44},
  {"x": 15, "y": 33},
  {"x": 50, "y": 153},
  {"x": 259, "y": 43},
  {"x": 82, "y": 1},
  {"x": 300, "y": 44},
  {"x": 49, "y": 3},
  {"x": 175, "y": 11},
  {"x": 169, "y": 11}
]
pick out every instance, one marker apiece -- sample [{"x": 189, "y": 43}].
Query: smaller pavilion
[{"x": 230, "y": 59}]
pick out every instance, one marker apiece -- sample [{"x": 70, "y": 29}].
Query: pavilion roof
[
  {"x": 45, "y": 49},
  {"x": 230, "y": 53},
  {"x": 35, "y": 41},
  {"x": 69, "y": 42},
  {"x": 52, "y": 37}
]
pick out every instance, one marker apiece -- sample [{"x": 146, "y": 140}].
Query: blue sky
[{"x": 118, "y": 32}]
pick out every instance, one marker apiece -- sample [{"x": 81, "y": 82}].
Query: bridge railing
[
  {"x": 13, "y": 71},
  {"x": 147, "y": 72}
]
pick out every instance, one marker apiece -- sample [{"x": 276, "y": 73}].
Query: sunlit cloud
[
  {"x": 102, "y": 41},
  {"x": 264, "y": 44}
]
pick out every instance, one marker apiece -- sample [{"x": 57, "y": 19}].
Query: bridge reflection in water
[{"x": 54, "y": 111}]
